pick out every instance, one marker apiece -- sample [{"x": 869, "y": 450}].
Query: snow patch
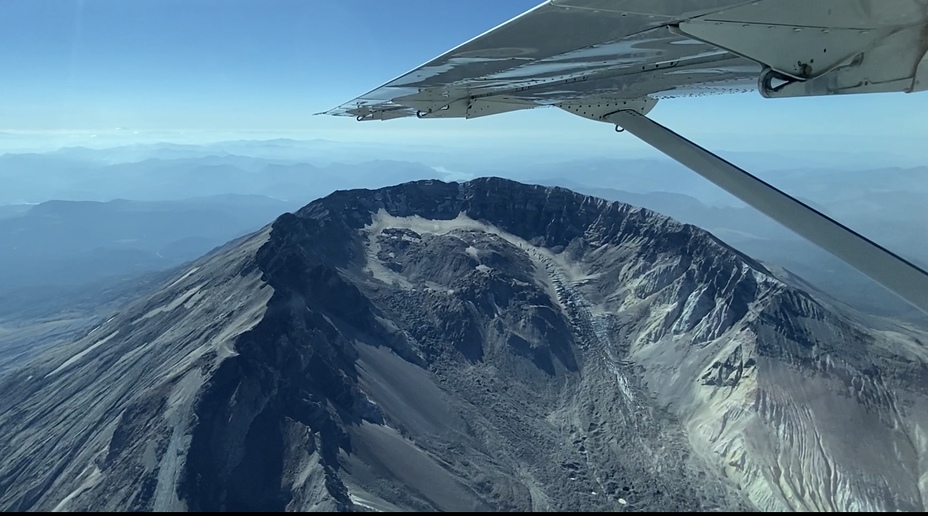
[
  {"x": 91, "y": 480},
  {"x": 182, "y": 278},
  {"x": 91, "y": 332},
  {"x": 173, "y": 305},
  {"x": 71, "y": 361},
  {"x": 361, "y": 502}
]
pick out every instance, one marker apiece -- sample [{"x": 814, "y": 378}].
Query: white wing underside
[
  {"x": 574, "y": 51},
  {"x": 568, "y": 50}
]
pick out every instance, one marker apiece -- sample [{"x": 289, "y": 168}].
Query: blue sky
[
  {"x": 237, "y": 64},
  {"x": 249, "y": 67}
]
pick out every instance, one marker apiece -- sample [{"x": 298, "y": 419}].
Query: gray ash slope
[{"x": 477, "y": 346}]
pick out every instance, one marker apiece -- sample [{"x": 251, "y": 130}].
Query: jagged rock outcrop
[{"x": 477, "y": 346}]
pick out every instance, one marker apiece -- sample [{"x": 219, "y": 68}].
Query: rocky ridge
[{"x": 477, "y": 346}]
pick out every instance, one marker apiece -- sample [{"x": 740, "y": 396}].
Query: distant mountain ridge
[
  {"x": 69, "y": 243},
  {"x": 32, "y": 178}
]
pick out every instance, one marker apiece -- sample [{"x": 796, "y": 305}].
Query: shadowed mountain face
[{"x": 477, "y": 346}]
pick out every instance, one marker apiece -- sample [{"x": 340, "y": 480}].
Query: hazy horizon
[{"x": 100, "y": 72}]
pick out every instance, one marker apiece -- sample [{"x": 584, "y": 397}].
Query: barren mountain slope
[{"x": 486, "y": 346}]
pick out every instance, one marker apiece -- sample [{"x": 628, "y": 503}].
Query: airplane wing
[
  {"x": 613, "y": 60},
  {"x": 570, "y": 52}
]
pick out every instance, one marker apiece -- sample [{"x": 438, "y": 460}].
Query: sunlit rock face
[{"x": 478, "y": 346}]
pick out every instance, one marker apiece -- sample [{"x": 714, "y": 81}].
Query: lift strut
[{"x": 895, "y": 273}]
